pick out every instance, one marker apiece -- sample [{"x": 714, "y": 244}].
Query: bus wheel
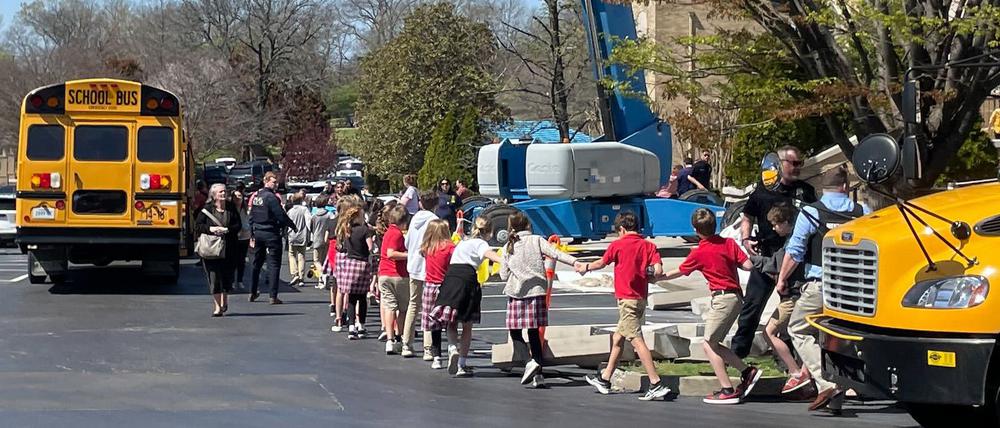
[
  {"x": 496, "y": 215},
  {"x": 35, "y": 273}
]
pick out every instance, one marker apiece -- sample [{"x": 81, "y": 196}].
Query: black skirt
[
  {"x": 460, "y": 290},
  {"x": 220, "y": 274}
]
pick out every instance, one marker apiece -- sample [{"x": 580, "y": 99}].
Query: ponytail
[
  {"x": 517, "y": 222},
  {"x": 481, "y": 229}
]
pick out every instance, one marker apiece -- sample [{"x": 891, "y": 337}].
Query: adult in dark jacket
[
  {"x": 448, "y": 203},
  {"x": 267, "y": 220},
  {"x": 226, "y": 224}
]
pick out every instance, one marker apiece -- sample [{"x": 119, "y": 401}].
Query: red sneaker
[
  {"x": 722, "y": 397},
  {"x": 748, "y": 379},
  {"x": 794, "y": 383}
]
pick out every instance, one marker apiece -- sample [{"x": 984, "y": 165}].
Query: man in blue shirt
[{"x": 805, "y": 245}]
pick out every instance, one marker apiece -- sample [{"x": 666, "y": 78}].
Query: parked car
[
  {"x": 8, "y": 214},
  {"x": 228, "y": 162},
  {"x": 214, "y": 173},
  {"x": 251, "y": 173}
]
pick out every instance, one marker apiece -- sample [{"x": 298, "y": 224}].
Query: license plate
[{"x": 43, "y": 213}]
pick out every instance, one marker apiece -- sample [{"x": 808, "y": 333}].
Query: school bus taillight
[
  {"x": 154, "y": 181},
  {"x": 46, "y": 180}
]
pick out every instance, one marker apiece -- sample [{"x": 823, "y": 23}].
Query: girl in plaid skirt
[
  {"x": 460, "y": 297},
  {"x": 353, "y": 269},
  {"x": 523, "y": 268},
  {"x": 436, "y": 249}
]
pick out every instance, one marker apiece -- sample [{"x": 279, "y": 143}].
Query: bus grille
[{"x": 850, "y": 277}]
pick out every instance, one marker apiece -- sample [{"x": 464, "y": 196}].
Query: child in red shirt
[
  {"x": 436, "y": 249},
  {"x": 717, "y": 258},
  {"x": 632, "y": 255}
]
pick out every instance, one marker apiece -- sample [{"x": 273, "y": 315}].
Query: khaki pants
[
  {"x": 319, "y": 257},
  {"x": 804, "y": 336},
  {"x": 297, "y": 261},
  {"x": 631, "y": 316},
  {"x": 393, "y": 290},
  {"x": 722, "y": 313},
  {"x": 413, "y": 312}
]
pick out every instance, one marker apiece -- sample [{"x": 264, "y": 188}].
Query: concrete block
[
  {"x": 700, "y": 386},
  {"x": 582, "y": 351},
  {"x": 665, "y": 346},
  {"x": 676, "y": 295},
  {"x": 699, "y": 305}
]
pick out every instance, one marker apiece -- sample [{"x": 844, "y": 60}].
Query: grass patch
[{"x": 670, "y": 368}]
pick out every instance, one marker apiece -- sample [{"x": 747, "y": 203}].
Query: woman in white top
[
  {"x": 411, "y": 196},
  {"x": 460, "y": 296}
]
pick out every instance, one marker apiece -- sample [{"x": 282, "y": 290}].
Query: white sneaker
[
  {"x": 428, "y": 355},
  {"x": 352, "y": 333},
  {"x": 406, "y": 352},
  {"x": 362, "y": 333},
  {"x": 530, "y": 370},
  {"x": 453, "y": 360},
  {"x": 337, "y": 328},
  {"x": 437, "y": 365},
  {"x": 464, "y": 372},
  {"x": 538, "y": 381},
  {"x": 390, "y": 347}
]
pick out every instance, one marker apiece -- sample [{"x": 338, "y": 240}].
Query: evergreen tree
[{"x": 440, "y": 159}]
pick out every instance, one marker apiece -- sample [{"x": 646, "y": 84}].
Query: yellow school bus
[{"x": 102, "y": 175}]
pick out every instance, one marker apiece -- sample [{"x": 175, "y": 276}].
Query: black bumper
[
  {"x": 905, "y": 366},
  {"x": 96, "y": 236}
]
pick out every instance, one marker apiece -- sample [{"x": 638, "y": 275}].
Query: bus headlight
[{"x": 957, "y": 292}]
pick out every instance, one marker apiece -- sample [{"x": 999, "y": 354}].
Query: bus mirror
[
  {"x": 912, "y": 167},
  {"x": 770, "y": 171},
  {"x": 909, "y": 102},
  {"x": 876, "y": 158}
]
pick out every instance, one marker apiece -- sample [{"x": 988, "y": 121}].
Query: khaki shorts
[
  {"x": 631, "y": 316},
  {"x": 722, "y": 313},
  {"x": 393, "y": 290},
  {"x": 783, "y": 313}
]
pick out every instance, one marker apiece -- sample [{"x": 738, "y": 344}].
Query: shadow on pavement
[
  {"x": 262, "y": 314},
  {"x": 128, "y": 280}
]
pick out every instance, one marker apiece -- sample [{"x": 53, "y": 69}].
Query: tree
[
  {"x": 439, "y": 158},
  {"x": 855, "y": 54},
  {"x": 440, "y": 62},
  {"x": 310, "y": 152},
  {"x": 553, "y": 61}
]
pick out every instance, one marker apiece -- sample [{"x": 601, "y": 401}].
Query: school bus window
[
  {"x": 100, "y": 143},
  {"x": 46, "y": 142},
  {"x": 155, "y": 144}
]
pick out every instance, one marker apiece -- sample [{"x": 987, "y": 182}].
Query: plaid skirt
[
  {"x": 446, "y": 315},
  {"x": 353, "y": 276},
  {"x": 529, "y": 312},
  {"x": 428, "y": 301}
]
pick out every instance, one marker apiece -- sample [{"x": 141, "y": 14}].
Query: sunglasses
[{"x": 794, "y": 163}]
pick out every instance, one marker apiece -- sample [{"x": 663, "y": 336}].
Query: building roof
[{"x": 543, "y": 131}]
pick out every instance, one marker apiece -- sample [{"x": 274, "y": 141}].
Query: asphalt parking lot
[{"x": 109, "y": 348}]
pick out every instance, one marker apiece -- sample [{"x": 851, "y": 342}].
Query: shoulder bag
[{"x": 211, "y": 246}]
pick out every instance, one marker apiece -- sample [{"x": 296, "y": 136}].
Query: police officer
[
  {"x": 267, "y": 220},
  {"x": 806, "y": 246}
]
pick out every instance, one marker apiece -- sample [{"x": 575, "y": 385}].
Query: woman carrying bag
[{"x": 218, "y": 226}]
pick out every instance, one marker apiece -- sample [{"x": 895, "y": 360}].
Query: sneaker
[
  {"x": 253, "y": 296},
  {"x": 659, "y": 390},
  {"x": 437, "y": 364},
  {"x": 333, "y": 311},
  {"x": 362, "y": 333},
  {"x": 390, "y": 347},
  {"x": 428, "y": 355},
  {"x": 794, "y": 383},
  {"x": 748, "y": 379},
  {"x": 406, "y": 352},
  {"x": 352, "y": 333},
  {"x": 336, "y": 328},
  {"x": 453, "y": 360},
  {"x": 530, "y": 370},
  {"x": 383, "y": 336},
  {"x": 538, "y": 382},
  {"x": 732, "y": 396},
  {"x": 276, "y": 301},
  {"x": 239, "y": 285},
  {"x": 597, "y": 381},
  {"x": 464, "y": 372}
]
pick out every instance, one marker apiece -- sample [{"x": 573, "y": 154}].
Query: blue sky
[{"x": 9, "y": 8}]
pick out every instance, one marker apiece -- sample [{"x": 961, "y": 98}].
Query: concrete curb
[{"x": 691, "y": 386}]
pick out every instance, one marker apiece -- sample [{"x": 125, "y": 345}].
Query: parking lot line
[{"x": 18, "y": 279}]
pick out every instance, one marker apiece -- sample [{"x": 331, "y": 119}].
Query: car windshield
[{"x": 240, "y": 171}]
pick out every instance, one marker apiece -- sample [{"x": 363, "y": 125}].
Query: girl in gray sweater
[{"x": 523, "y": 268}]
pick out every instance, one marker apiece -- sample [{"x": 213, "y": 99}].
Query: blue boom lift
[{"x": 576, "y": 189}]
